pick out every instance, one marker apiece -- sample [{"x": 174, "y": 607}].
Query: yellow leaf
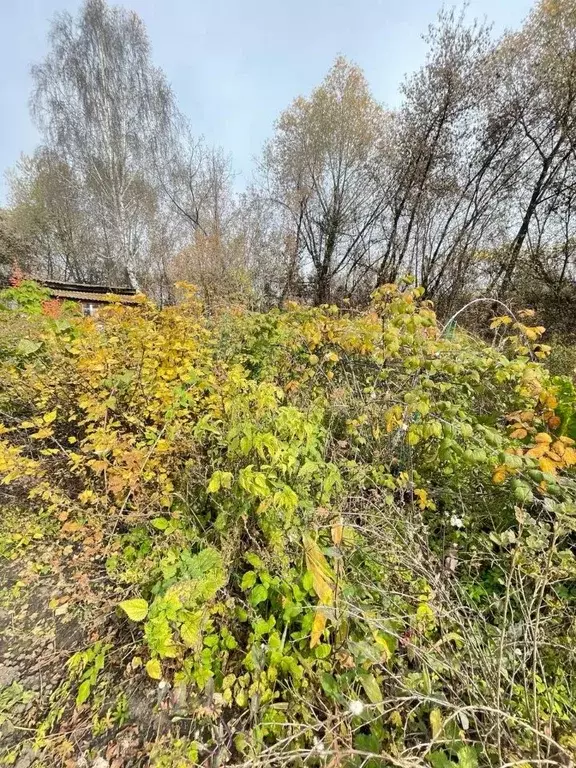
[
  {"x": 567, "y": 440},
  {"x": 519, "y": 434},
  {"x": 547, "y": 465},
  {"x": 569, "y": 456},
  {"x": 42, "y": 433},
  {"x": 136, "y": 609},
  {"x": 318, "y": 626},
  {"x": 499, "y": 476},
  {"x": 558, "y": 447},
  {"x": 50, "y": 417},
  {"x": 422, "y": 496},
  {"x": 393, "y": 418},
  {"x": 498, "y": 321},
  {"x": 337, "y": 532},
  {"x": 86, "y": 496},
  {"x": 318, "y": 567},
  {"x": 542, "y": 437},
  {"x": 154, "y": 669},
  {"x": 436, "y": 722},
  {"x": 551, "y": 402},
  {"x": 537, "y": 451}
]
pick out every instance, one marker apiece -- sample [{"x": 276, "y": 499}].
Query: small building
[{"x": 90, "y": 297}]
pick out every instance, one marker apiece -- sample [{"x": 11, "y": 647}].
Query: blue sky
[{"x": 235, "y": 64}]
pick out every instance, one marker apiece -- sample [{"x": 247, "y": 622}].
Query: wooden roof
[
  {"x": 92, "y": 294},
  {"x": 94, "y": 298}
]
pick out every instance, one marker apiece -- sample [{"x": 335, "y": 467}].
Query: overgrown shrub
[{"x": 348, "y": 537}]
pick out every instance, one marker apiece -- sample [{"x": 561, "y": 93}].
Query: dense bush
[{"x": 347, "y": 538}]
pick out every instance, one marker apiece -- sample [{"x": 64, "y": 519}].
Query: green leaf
[
  {"x": 214, "y": 484},
  {"x": 368, "y": 742},
  {"x": 308, "y": 582},
  {"x": 263, "y": 627},
  {"x": 248, "y": 580},
  {"x": 322, "y": 651},
  {"x": 136, "y": 609},
  {"x": 413, "y": 436},
  {"x": 467, "y": 757},
  {"x": 190, "y": 631},
  {"x": 440, "y": 760},
  {"x": 329, "y": 685},
  {"x": 258, "y": 595},
  {"x": 372, "y": 689},
  {"x": 83, "y": 692},
  {"x": 523, "y": 493},
  {"x": 219, "y": 480},
  {"x": 254, "y": 560},
  {"x": 27, "y": 347},
  {"x": 154, "y": 669},
  {"x": 160, "y": 523}
]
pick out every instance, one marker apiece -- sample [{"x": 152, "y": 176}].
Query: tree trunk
[{"x": 323, "y": 287}]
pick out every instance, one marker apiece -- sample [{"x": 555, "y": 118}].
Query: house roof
[
  {"x": 95, "y": 298},
  {"x": 103, "y": 294}
]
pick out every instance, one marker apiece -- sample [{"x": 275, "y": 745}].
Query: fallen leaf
[
  {"x": 499, "y": 476},
  {"x": 70, "y": 527},
  {"x": 542, "y": 437},
  {"x": 547, "y": 465},
  {"x": 537, "y": 451}
]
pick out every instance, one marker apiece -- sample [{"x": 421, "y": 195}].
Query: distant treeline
[{"x": 470, "y": 185}]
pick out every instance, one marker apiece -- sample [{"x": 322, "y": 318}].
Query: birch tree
[{"x": 106, "y": 111}]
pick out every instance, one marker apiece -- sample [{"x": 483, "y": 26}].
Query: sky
[{"x": 234, "y": 65}]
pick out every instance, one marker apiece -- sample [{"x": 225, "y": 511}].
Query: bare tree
[
  {"x": 538, "y": 66},
  {"x": 449, "y": 162}
]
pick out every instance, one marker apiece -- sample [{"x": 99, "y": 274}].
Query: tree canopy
[{"x": 468, "y": 184}]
